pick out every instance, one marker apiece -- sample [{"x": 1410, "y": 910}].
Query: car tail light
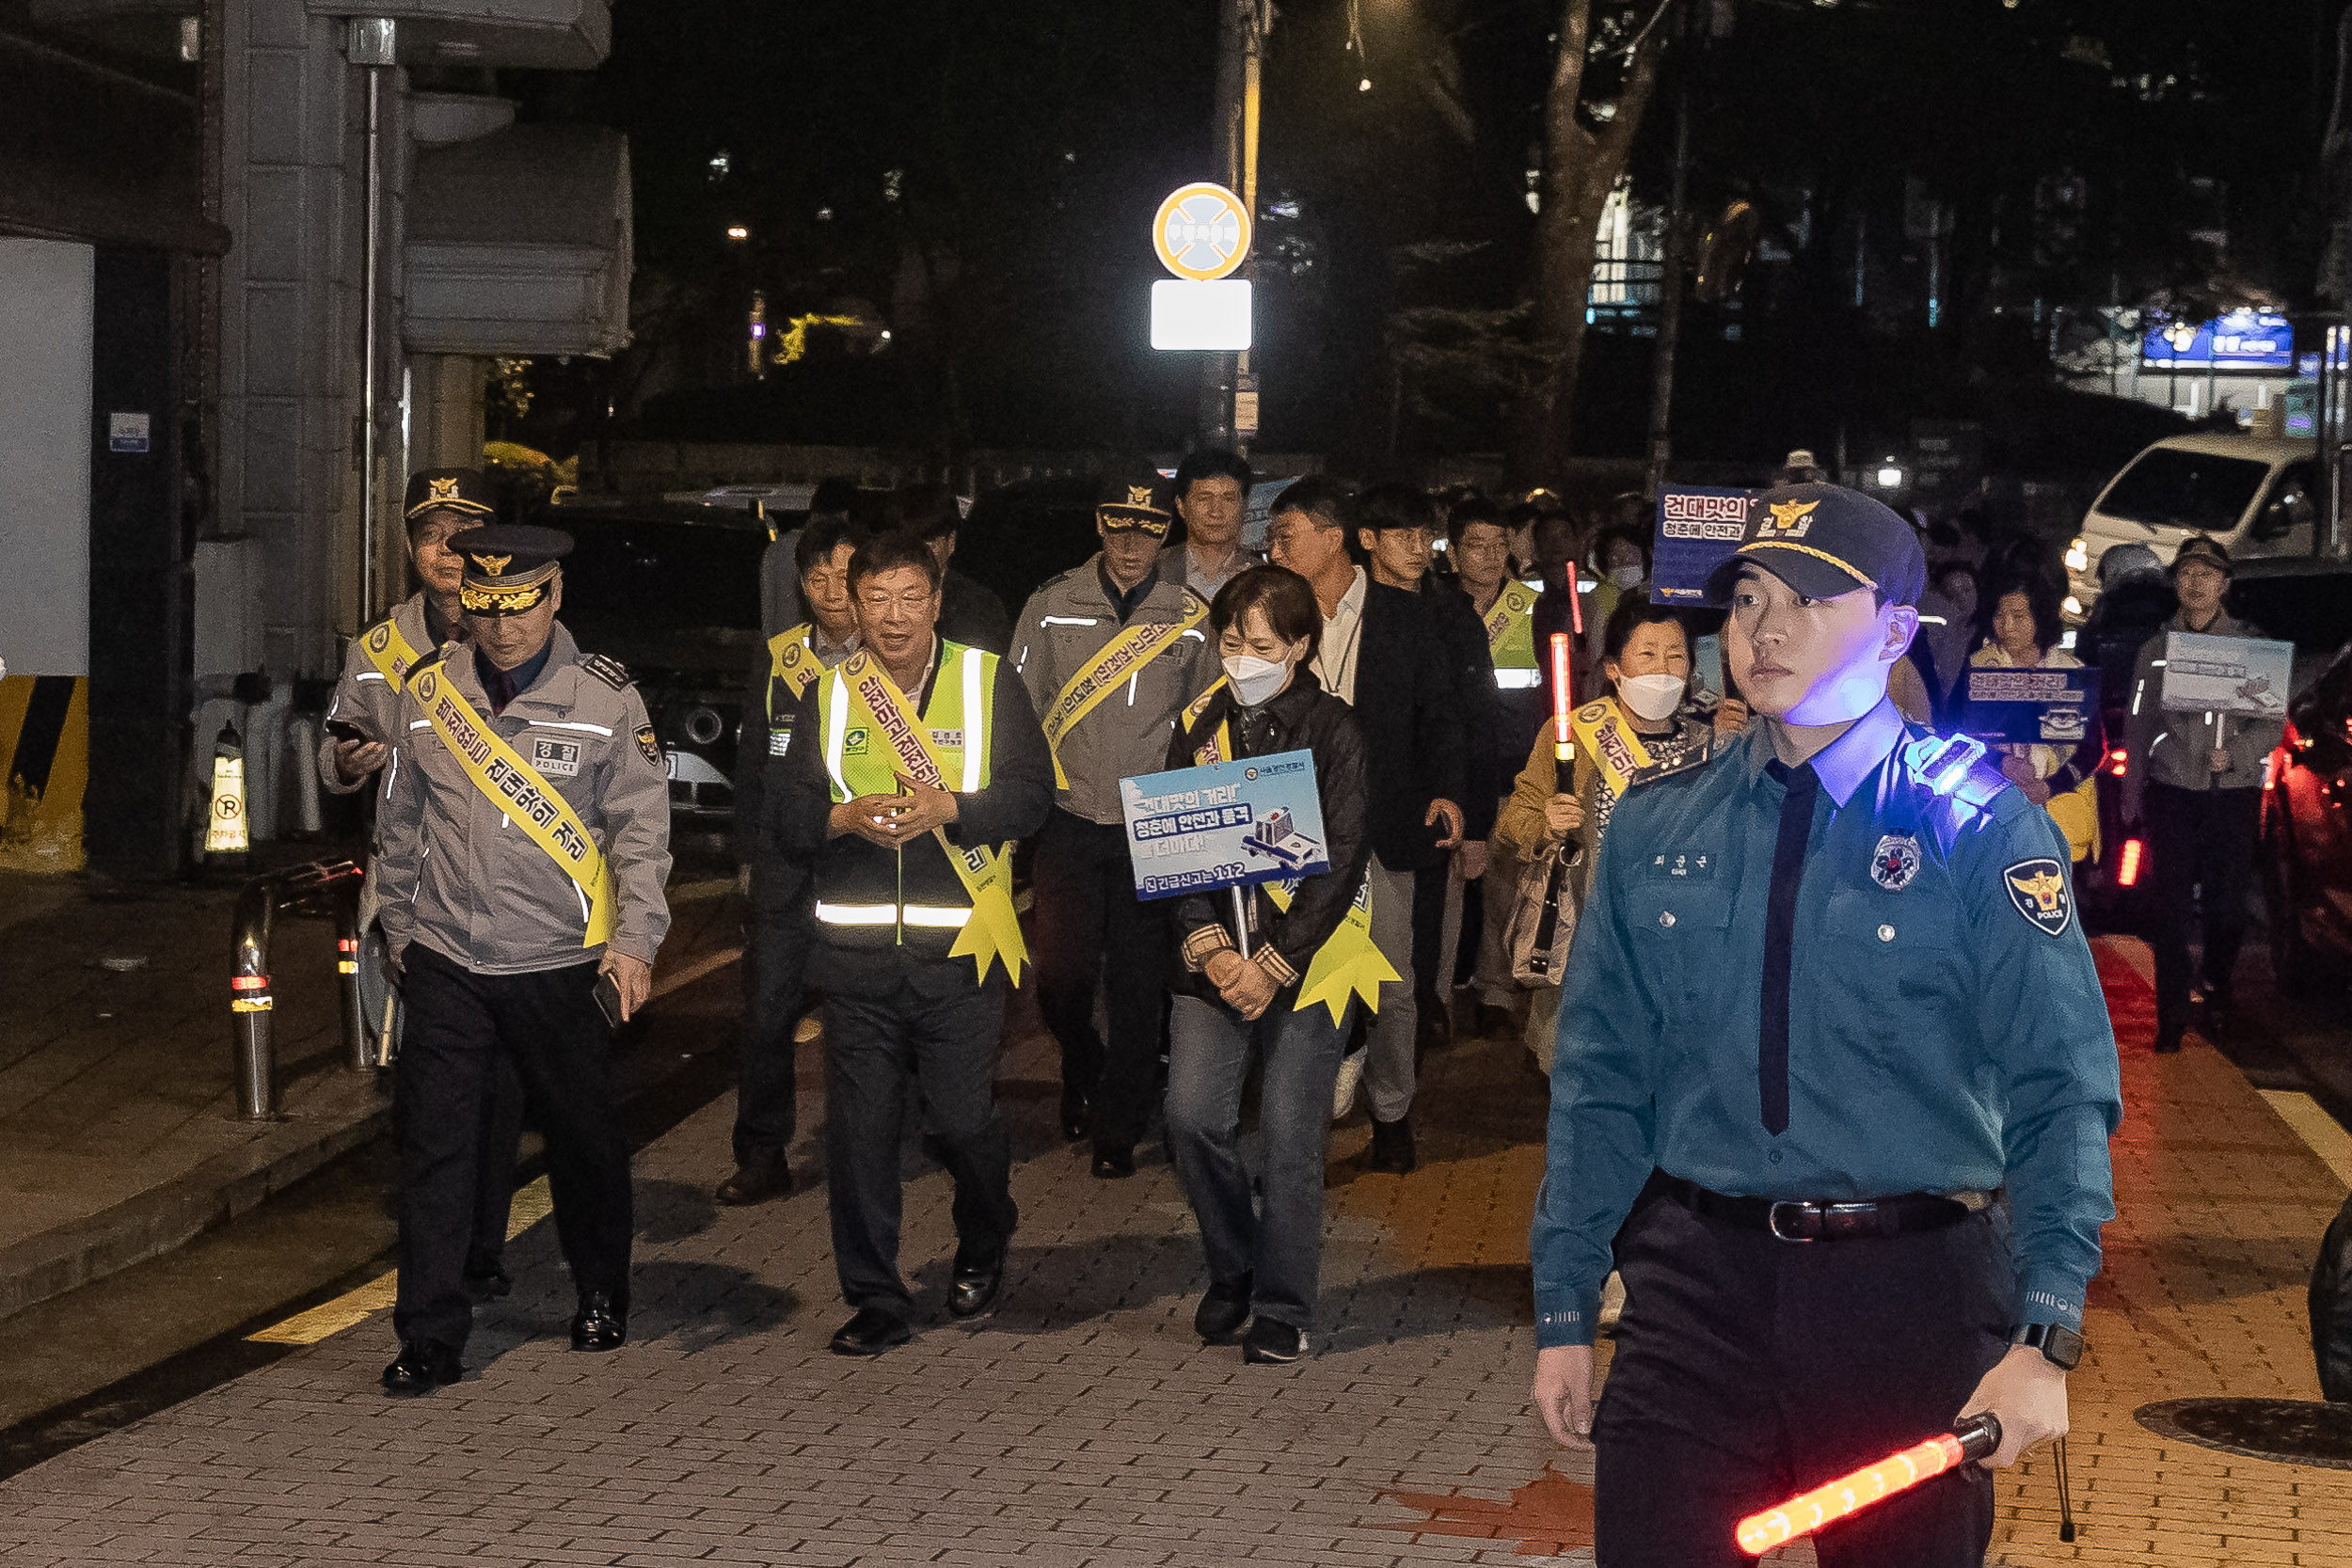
[
  {"x": 2118, "y": 760},
  {"x": 2135, "y": 859}
]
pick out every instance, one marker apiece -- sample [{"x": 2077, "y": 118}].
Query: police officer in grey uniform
[
  {"x": 361, "y": 723},
  {"x": 1111, "y": 653},
  {"x": 523, "y": 846}
]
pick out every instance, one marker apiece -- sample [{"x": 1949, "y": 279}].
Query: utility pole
[{"x": 1234, "y": 145}]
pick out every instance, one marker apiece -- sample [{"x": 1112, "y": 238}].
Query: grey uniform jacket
[
  {"x": 1062, "y": 628},
  {"x": 2176, "y": 749},
  {"x": 456, "y": 875},
  {"x": 365, "y": 698}
]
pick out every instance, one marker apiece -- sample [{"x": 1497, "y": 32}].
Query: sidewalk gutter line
[{"x": 2316, "y": 1126}]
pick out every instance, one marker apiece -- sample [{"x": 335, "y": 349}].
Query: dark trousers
[
  {"x": 494, "y": 1184},
  {"x": 2201, "y": 839},
  {"x": 1749, "y": 1370},
  {"x": 948, "y": 1044},
  {"x": 1093, "y": 932},
  {"x": 777, "y": 947},
  {"x": 1430, "y": 993},
  {"x": 462, "y": 1029}
]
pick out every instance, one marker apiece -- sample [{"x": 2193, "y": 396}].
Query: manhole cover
[{"x": 2294, "y": 1432}]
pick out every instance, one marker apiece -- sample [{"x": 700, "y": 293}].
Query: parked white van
[{"x": 2257, "y": 494}]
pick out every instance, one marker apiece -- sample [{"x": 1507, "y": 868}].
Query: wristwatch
[{"x": 2059, "y": 1343}]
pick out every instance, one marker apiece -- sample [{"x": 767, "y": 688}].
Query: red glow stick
[
  {"x": 1973, "y": 1438},
  {"x": 1563, "y": 744}
]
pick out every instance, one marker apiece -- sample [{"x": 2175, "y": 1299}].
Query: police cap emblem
[
  {"x": 2040, "y": 891},
  {"x": 1894, "y": 862},
  {"x": 1790, "y": 519}
]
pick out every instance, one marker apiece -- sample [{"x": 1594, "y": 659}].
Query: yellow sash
[
  {"x": 1123, "y": 656},
  {"x": 993, "y": 931},
  {"x": 1610, "y": 741},
  {"x": 515, "y": 788},
  {"x": 792, "y": 662},
  {"x": 1512, "y": 608},
  {"x": 390, "y": 652},
  {"x": 1348, "y": 963}
]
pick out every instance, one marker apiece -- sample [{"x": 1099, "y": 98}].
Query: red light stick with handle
[
  {"x": 1563, "y": 742},
  {"x": 1973, "y": 1438}
]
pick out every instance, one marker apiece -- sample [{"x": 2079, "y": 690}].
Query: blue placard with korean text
[
  {"x": 1225, "y": 824},
  {"x": 2043, "y": 705},
  {"x": 1697, "y": 527}
]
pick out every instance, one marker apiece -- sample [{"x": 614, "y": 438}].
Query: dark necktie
[
  {"x": 499, "y": 686},
  {"x": 1780, "y": 919}
]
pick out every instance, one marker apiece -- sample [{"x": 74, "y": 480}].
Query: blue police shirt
[{"x": 1946, "y": 1028}]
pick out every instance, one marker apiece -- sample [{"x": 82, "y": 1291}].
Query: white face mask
[
  {"x": 1651, "y": 697},
  {"x": 1255, "y": 679},
  {"x": 1625, "y": 577}
]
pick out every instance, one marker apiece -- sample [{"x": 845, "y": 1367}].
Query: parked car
[
  {"x": 2306, "y": 844},
  {"x": 2259, "y": 496},
  {"x": 673, "y": 593}
]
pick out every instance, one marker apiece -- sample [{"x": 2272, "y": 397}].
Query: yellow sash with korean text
[
  {"x": 1510, "y": 614},
  {"x": 792, "y": 662},
  {"x": 1610, "y": 741},
  {"x": 994, "y": 932},
  {"x": 515, "y": 788},
  {"x": 1348, "y": 963},
  {"x": 1120, "y": 658},
  {"x": 390, "y": 652}
]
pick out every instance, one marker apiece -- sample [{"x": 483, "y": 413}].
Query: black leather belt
[{"x": 1802, "y": 1220}]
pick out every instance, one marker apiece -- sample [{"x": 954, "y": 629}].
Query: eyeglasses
[{"x": 914, "y": 603}]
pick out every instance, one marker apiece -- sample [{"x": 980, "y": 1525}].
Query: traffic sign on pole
[{"x": 1202, "y": 232}]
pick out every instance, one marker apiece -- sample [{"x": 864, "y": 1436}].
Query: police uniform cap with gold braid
[
  {"x": 1136, "y": 498},
  {"x": 461, "y": 490},
  {"x": 508, "y": 566}
]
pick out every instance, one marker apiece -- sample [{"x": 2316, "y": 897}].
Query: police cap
[
  {"x": 508, "y": 566},
  {"x": 2204, "y": 547},
  {"x": 459, "y": 490},
  {"x": 1134, "y": 498},
  {"x": 1824, "y": 540}
]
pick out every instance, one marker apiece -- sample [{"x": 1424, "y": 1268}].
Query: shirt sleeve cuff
[
  {"x": 1203, "y": 945},
  {"x": 1566, "y": 1320},
  {"x": 2052, "y": 1298},
  {"x": 1277, "y": 967}
]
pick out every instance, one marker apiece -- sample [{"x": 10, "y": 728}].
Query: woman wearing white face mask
[
  {"x": 1647, "y": 667},
  {"x": 1265, "y": 1260}
]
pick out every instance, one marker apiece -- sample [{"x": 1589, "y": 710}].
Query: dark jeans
[
  {"x": 1430, "y": 992},
  {"x": 1093, "y": 931},
  {"x": 2201, "y": 839},
  {"x": 1748, "y": 1370},
  {"x": 776, "y": 948},
  {"x": 462, "y": 1030},
  {"x": 1280, "y": 1244},
  {"x": 948, "y": 1046}
]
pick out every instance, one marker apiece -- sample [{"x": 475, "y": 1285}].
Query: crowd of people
[{"x": 917, "y": 767}]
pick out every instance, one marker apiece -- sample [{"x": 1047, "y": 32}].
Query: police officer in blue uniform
[{"x": 1836, "y": 1078}]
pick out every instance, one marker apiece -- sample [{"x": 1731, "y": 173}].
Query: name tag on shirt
[
  {"x": 555, "y": 759},
  {"x": 1691, "y": 865},
  {"x": 953, "y": 739}
]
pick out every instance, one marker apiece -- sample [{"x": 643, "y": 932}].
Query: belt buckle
[{"x": 1772, "y": 1220}]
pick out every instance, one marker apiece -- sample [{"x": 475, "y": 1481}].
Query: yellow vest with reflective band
[
  {"x": 1510, "y": 623},
  {"x": 871, "y": 737},
  {"x": 1348, "y": 963}
]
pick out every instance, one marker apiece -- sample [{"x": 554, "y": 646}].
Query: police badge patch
[
  {"x": 2040, "y": 890},
  {"x": 648, "y": 744},
  {"x": 1894, "y": 862}
]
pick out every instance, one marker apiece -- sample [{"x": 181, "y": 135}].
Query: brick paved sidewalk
[{"x": 1083, "y": 1423}]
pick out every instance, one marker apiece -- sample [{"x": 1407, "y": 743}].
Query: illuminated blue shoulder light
[{"x": 1940, "y": 763}]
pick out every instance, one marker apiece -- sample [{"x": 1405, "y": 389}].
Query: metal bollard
[{"x": 251, "y": 1000}]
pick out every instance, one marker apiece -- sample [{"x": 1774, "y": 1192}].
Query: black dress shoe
[
  {"x": 1393, "y": 1145},
  {"x": 1073, "y": 1116},
  {"x": 973, "y": 1290},
  {"x": 756, "y": 1181},
  {"x": 1273, "y": 1343},
  {"x": 423, "y": 1365},
  {"x": 488, "y": 1284},
  {"x": 1223, "y": 1310},
  {"x": 870, "y": 1333},
  {"x": 601, "y": 1323},
  {"x": 1114, "y": 1160}
]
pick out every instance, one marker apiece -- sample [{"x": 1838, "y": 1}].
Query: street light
[{"x": 737, "y": 231}]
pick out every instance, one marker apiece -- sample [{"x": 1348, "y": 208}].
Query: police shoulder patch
[
  {"x": 2041, "y": 890},
  {"x": 648, "y": 744},
  {"x": 610, "y": 671}
]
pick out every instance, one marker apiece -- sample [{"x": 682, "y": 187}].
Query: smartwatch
[{"x": 2061, "y": 1344}]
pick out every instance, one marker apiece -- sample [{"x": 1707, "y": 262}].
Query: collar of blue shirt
[{"x": 1845, "y": 762}]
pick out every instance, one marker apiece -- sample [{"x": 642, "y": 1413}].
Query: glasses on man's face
[{"x": 913, "y": 603}]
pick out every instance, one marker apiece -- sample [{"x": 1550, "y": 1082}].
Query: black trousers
[
  {"x": 1431, "y": 993},
  {"x": 2201, "y": 839},
  {"x": 946, "y": 1039},
  {"x": 1749, "y": 1370},
  {"x": 1093, "y": 932},
  {"x": 494, "y": 1185},
  {"x": 462, "y": 1029},
  {"x": 777, "y": 942}
]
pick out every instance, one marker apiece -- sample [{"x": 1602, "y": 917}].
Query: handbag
[{"x": 1543, "y": 916}]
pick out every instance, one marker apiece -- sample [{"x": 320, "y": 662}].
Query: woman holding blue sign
[
  {"x": 1256, "y": 977},
  {"x": 2027, "y": 625}
]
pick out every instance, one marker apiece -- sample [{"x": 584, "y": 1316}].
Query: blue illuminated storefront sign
[{"x": 2241, "y": 340}]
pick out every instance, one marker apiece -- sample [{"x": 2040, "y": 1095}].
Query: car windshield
[
  {"x": 2191, "y": 490},
  {"x": 632, "y": 586}
]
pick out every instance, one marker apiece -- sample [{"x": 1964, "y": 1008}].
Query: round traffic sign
[{"x": 1202, "y": 232}]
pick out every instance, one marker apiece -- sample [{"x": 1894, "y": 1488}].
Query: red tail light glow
[{"x": 2135, "y": 856}]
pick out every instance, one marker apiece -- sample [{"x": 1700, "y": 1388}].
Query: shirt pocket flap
[{"x": 1888, "y": 919}]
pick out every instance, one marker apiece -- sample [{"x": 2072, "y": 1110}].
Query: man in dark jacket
[
  {"x": 969, "y": 614},
  {"x": 1382, "y": 653}
]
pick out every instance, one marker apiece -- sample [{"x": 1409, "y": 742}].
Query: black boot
[
  {"x": 423, "y": 1365},
  {"x": 601, "y": 1323},
  {"x": 756, "y": 1180},
  {"x": 1393, "y": 1145}
]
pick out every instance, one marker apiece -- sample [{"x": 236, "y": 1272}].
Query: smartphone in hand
[
  {"x": 608, "y": 995},
  {"x": 343, "y": 729}
]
